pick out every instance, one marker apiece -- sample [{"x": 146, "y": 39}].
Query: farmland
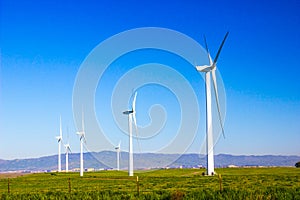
[{"x": 235, "y": 183}]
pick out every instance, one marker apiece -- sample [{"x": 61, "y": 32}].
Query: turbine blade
[
  {"x": 84, "y": 140},
  {"x": 134, "y": 101},
  {"x": 213, "y": 74},
  {"x": 68, "y": 134},
  {"x": 220, "y": 48},
  {"x": 208, "y": 54},
  {"x": 136, "y": 130},
  {"x": 135, "y": 124},
  {"x": 82, "y": 121},
  {"x": 217, "y": 99},
  {"x": 210, "y": 60},
  {"x": 60, "y": 128},
  {"x": 206, "y": 46}
]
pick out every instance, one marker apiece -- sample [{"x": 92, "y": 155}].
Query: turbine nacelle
[
  {"x": 127, "y": 112},
  {"x": 204, "y": 68},
  {"x": 59, "y": 138},
  {"x": 118, "y": 147},
  {"x": 68, "y": 148},
  {"x": 81, "y": 135}
]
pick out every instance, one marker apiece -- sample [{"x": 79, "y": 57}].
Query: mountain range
[{"x": 107, "y": 160}]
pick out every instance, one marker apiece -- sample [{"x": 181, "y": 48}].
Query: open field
[{"x": 237, "y": 183}]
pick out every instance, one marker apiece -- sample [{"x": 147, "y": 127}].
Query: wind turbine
[
  {"x": 68, "y": 149},
  {"x": 131, "y": 118},
  {"x": 210, "y": 71},
  {"x": 118, "y": 149},
  {"x": 59, "y": 139},
  {"x": 81, "y": 134}
]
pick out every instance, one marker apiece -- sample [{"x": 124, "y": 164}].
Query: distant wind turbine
[
  {"x": 68, "y": 150},
  {"x": 118, "y": 149},
  {"x": 131, "y": 118},
  {"x": 81, "y": 134},
  {"x": 59, "y": 139},
  {"x": 211, "y": 70}
]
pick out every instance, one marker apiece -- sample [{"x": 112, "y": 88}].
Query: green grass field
[{"x": 237, "y": 183}]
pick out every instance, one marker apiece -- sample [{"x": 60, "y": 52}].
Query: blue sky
[{"x": 43, "y": 44}]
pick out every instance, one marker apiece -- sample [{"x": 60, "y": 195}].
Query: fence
[
  {"x": 71, "y": 182},
  {"x": 68, "y": 184}
]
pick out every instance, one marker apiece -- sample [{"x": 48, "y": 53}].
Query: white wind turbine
[
  {"x": 131, "y": 117},
  {"x": 211, "y": 70},
  {"x": 81, "y": 134},
  {"x": 68, "y": 150},
  {"x": 59, "y": 139},
  {"x": 118, "y": 149}
]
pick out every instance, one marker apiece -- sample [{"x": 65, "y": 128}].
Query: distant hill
[{"x": 107, "y": 159}]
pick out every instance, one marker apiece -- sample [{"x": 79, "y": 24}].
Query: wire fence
[
  {"x": 109, "y": 181},
  {"x": 68, "y": 185}
]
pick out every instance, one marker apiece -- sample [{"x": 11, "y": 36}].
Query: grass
[{"x": 237, "y": 183}]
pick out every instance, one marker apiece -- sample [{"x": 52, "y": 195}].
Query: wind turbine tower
[
  {"x": 210, "y": 72},
  {"x": 59, "y": 139},
  {"x": 118, "y": 149},
  {"x": 81, "y": 134},
  {"x": 131, "y": 118}
]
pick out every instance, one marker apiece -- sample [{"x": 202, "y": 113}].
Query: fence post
[
  {"x": 69, "y": 181},
  {"x": 8, "y": 186},
  {"x": 220, "y": 181},
  {"x": 138, "y": 185}
]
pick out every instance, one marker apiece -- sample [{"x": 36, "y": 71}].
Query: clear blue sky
[{"x": 43, "y": 44}]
